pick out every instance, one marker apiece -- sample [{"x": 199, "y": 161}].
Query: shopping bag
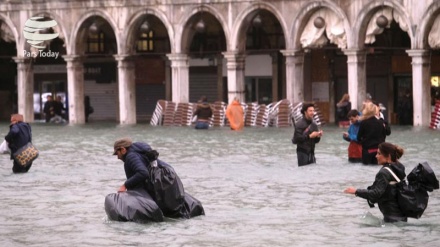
[{"x": 4, "y": 149}]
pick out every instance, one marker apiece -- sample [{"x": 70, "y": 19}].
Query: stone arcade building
[{"x": 128, "y": 54}]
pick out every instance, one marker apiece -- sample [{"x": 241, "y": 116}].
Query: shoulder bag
[{"x": 26, "y": 154}]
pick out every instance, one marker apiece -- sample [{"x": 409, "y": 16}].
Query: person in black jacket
[
  {"x": 135, "y": 164},
  {"x": 19, "y": 135},
  {"x": 306, "y": 136},
  {"x": 145, "y": 171},
  {"x": 383, "y": 191},
  {"x": 49, "y": 108},
  {"x": 372, "y": 132},
  {"x": 88, "y": 109}
]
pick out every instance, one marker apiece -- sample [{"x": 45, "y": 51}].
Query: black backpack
[{"x": 412, "y": 196}]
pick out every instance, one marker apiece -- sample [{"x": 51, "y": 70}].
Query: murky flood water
[{"x": 249, "y": 183}]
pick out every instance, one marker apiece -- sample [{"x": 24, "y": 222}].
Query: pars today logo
[{"x": 34, "y": 32}]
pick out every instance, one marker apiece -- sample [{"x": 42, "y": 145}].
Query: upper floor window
[
  {"x": 145, "y": 42},
  {"x": 96, "y": 43}
]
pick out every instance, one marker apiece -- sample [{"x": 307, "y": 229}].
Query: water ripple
[{"x": 250, "y": 186}]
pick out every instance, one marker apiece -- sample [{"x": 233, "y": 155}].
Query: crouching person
[
  {"x": 132, "y": 202},
  {"x": 144, "y": 169}
]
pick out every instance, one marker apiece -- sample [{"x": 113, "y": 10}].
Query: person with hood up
[
  {"x": 203, "y": 113},
  {"x": 235, "y": 115},
  {"x": 384, "y": 191},
  {"x": 306, "y": 135},
  {"x": 20, "y": 134}
]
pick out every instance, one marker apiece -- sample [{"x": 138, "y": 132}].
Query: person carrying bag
[{"x": 19, "y": 139}]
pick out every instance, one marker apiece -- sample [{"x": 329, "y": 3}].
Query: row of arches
[{"x": 179, "y": 31}]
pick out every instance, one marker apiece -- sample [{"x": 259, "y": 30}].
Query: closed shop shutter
[
  {"x": 203, "y": 81},
  {"x": 104, "y": 100}
]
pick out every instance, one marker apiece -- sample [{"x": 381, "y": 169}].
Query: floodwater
[{"x": 253, "y": 192}]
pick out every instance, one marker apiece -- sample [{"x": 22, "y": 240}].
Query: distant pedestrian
[
  {"x": 49, "y": 108},
  {"x": 342, "y": 109},
  {"x": 405, "y": 109},
  {"x": 379, "y": 115},
  {"x": 60, "y": 110},
  {"x": 355, "y": 148},
  {"x": 306, "y": 136},
  {"x": 203, "y": 113},
  {"x": 88, "y": 109},
  {"x": 235, "y": 115}
]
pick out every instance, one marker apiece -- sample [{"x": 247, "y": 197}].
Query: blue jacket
[
  {"x": 136, "y": 165},
  {"x": 19, "y": 135},
  {"x": 352, "y": 132}
]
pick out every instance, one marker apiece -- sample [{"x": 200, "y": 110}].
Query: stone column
[
  {"x": 127, "y": 89},
  {"x": 179, "y": 77},
  {"x": 421, "y": 87},
  {"x": 75, "y": 88},
  {"x": 274, "y": 57},
  {"x": 357, "y": 78},
  {"x": 294, "y": 75},
  {"x": 25, "y": 88},
  {"x": 167, "y": 79},
  {"x": 220, "y": 87},
  {"x": 235, "y": 63}
]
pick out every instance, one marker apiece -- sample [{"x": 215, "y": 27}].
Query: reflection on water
[{"x": 249, "y": 183}]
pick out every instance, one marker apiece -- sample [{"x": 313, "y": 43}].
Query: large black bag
[
  {"x": 193, "y": 207},
  {"x": 424, "y": 177},
  {"x": 412, "y": 200},
  {"x": 132, "y": 205},
  {"x": 413, "y": 196},
  {"x": 168, "y": 191}
]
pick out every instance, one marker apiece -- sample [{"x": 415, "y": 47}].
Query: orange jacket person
[{"x": 235, "y": 115}]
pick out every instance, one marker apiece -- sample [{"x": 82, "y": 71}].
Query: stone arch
[
  {"x": 306, "y": 12},
  {"x": 181, "y": 39},
  {"x": 129, "y": 32},
  {"x": 430, "y": 15},
  {"x": 245, "y": 17},
  {"x": 77, "y": 34},
  {"x": 367, "y": 12}
]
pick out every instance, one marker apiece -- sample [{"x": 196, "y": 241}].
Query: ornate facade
[{"x": 177, "y": 50}]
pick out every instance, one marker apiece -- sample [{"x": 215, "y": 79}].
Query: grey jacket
[{"x": 303, "y": 128}]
